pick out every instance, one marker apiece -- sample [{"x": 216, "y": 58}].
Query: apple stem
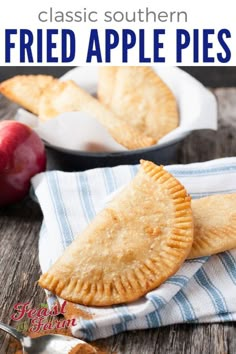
[{"x": 3, "y": 160}]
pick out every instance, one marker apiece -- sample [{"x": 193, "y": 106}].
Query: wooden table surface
[{"x": 19, "y": 268}]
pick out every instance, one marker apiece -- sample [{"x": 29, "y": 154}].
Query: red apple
[{"x": 22, "y": 155}]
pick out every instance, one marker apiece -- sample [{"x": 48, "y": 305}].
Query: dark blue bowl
[{"x": 68, "y": 160}]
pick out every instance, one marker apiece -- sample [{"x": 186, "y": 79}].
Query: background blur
[{"x": 209, "y": 76}]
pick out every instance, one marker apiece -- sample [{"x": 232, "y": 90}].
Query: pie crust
[
  {"x": 131, "y": 247},
  {"x": 139, "y": 96},
  {"x": 214, "y": 225},
  {"x": 26, "y": 90}
]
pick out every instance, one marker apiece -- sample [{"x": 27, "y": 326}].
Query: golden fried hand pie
[
  {"x": 66, "y": 96},
  {"x": 139, "y": 240},
  {"x": 214, "y": 225},
  {"x": 139, "y": 96},
  {"x": 26, "y": 90}
]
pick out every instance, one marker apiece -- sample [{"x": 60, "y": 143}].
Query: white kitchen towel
[{"x": 203, "y": 290}]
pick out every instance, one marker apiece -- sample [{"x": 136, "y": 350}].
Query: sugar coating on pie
[
  {"x": 66, "y": 96},
  {"x": 26, "y": 90},
  {"x": 214, "y": 224},
  {"x": 139, "y": 96},
  {"x": 106, "y": 83},
  {"x": 131, "y": 247}
]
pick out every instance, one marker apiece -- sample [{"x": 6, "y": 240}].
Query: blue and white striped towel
[{"x": 203, "y": 290}]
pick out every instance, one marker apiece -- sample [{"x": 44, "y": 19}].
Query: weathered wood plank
[
  {"x": 19, "y": 268},
  {"x": 208, "y": 145}
]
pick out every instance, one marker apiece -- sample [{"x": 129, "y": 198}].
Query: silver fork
[{"x": 48, "y": 344}]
